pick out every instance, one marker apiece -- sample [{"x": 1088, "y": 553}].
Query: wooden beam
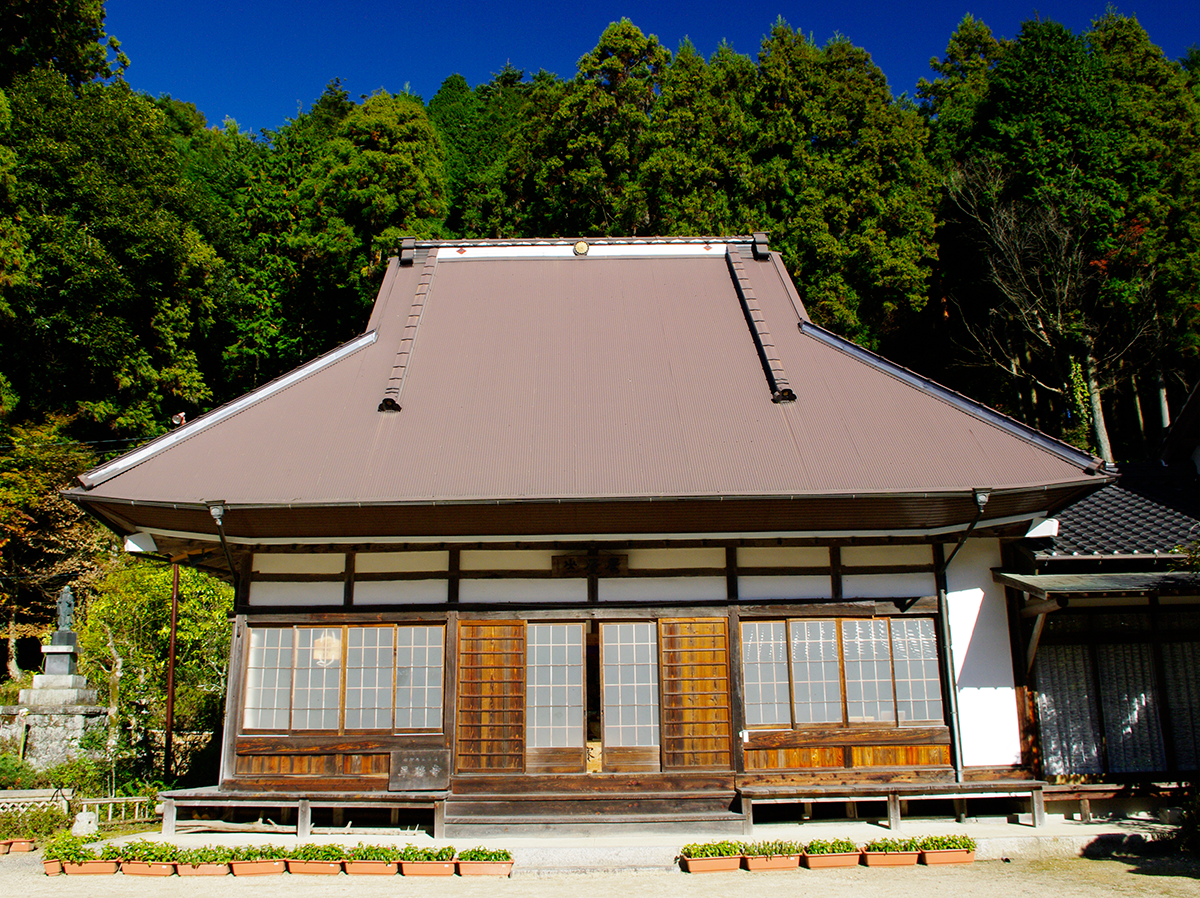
[
  {"x": 1039, "y": 609},
  {"x": 1036, "y": 637}
]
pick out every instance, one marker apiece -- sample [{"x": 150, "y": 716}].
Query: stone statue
[{"x": 66, "y": 608}]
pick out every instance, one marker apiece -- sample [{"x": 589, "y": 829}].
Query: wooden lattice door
[
  {"x": 490, "y": 724},
  {"x": 697, "y": 729}
]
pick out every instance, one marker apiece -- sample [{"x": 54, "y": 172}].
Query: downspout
[
  {"x": 217, "y": 510},
  {"x": 940, "y": 564}
]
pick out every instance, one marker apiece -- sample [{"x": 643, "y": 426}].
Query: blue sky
[{"x": 261, "y": 62}]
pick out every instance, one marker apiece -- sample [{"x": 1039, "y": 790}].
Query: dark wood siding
[
  {"x": 697, "y": 730},
  {"x": 490, "y": 728}
]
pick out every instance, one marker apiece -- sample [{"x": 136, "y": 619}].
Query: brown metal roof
[{"x": 527, "y": 374}]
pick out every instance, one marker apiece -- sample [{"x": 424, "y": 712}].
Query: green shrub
[
  {"x": 361, "y": 852},
  {"x": 110, "y": 852},
  {"x": 87, "y": 777},
  {"x": 830, "y": 846},
  {"x": 206, "y": 854},
  {"x": 770, "y": 849},
  {"x": 494, "y": 855},
  {"x": 33, "y": 823},
  {"x": 712, "y": 849},
  {"x": 259, "y": 853},
  {"x": 893, "y": 845},
  {"x": 69, "y": 849},
  {"x": 314, "y": 852},
  {"x": 16, "y": 774},
  {"x": 150, "y": 852},
  {"x": 938, "y": 843}
]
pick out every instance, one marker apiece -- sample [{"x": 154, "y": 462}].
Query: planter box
[
  {"x": 484, "y": 868},
  {"x": 4, "y": 844},
  {"x": 371, "y": 868},
  {"x": 257, "y": 868},
  {"x": 711, "y": 864},
  {"x": 890, "y": 858},
  {"x": 948, "y": 856},
  {"x": 760, "y": 862},
  {"x": 147, "y": 868},
  {"x": 825, "y": 861},
  {"x": 91, "y": 868},
  {"x": 207, "y": 869},
  {"x": 427, "y": 868},
  {"x": 17, "y": 845},
  {"x": 52, "y": 868},
  {"x": 315, "y": 868}
]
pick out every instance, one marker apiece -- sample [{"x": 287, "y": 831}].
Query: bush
[
  {"x": 770, "y": 849},
  {"x": 259, "y": 853},
  {"x": 413, "y": 853},
  {"x": 16, "y": 774},
  {"x": 940, "y": 843},
  {"x": 361, "y": 852},
  {"x": 69, "y": 849},
  {"x": 87, "y": 777},
  {"x": 150, "y": 852},
  {"x": 893, "y": 845},
  {"x": 311, "y": 852},
  {"x": 205, "y": 854},
  {"x": 712, "y": 849},
  {"x": 33, "y": 823},
  {"x": 831, "y": 846},
  {"x": 493, "y": 855}
]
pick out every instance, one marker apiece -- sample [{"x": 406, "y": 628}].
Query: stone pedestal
[{"x": 58, "y": 711}]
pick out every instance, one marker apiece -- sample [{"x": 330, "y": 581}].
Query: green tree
[
  {"x": 117, "y": 289},
  {"x": 124, "y": 637},
  {"x": 842, "y": 182},
  {"x": 1071, "y": 192},
  {"x": 65, "y": 35}
]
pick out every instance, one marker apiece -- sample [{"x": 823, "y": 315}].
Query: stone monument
[{"x": 61, "y": 708}]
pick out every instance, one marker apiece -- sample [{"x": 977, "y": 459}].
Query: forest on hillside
[{"x": 1025, "y": 230}]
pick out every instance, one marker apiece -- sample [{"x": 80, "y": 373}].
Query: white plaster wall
[
  {"x": 332, "y": 593},
  {"x": 504, "y": 560},
  {"x": 987, "y": 705},
  {"x": 783, "y": 556},
  {"x": 300, "y": 563},
  {"x": 663, "y": 589},
  {"x": 676, "y": 558},
  {"x": 394, "y": 562},
  {"x": 915, "y": 554},
  {"x": 551, "y": 590},
  {"x": 399, "y": 592},
  {"x": 784, "y": 588},
  {"x": 888, "y": 586}
]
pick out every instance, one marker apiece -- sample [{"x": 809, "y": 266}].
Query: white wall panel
[
  {"x": 552, "y": 590},
  {"x": 299, "y": 563},
  {"x": 400, "y": 562},
  {"x": 276, "y": 594},
  {"x": 399, "y": 592},
  {"x": 783, "y": 556},
  {"x": 886, "y": 586},
  {"x": 663, "y": 589},
  {"x": 675, "y": 558},
  {"x": 502, "y": 560},
  {"x": 784, "y": 588},
  {"x": 987, "y": 705},
  {"x": 854, "y": 555}
]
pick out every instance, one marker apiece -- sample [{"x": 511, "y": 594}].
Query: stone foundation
[{"x": 54, "y": 732}]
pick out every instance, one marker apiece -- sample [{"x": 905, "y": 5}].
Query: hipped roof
[{"x": 536, "y": 391}]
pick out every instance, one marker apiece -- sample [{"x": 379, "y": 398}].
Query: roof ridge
[{"x": 395, "y": 384}]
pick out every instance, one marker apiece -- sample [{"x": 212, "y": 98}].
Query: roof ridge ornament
[
  {"x": 391, "y": 394},
  {"x": 768, "y": 355}
]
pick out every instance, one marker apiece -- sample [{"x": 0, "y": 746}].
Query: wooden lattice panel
[
  {"x": 490, "y": 723},
  {"x": 697, "y": 725}
]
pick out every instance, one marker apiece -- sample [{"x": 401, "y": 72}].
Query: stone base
[
  {"x": 54, "y": 733},
  {"x": 56, "y": 690}
]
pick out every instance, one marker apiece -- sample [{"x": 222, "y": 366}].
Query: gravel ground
[{"x": 21, "y": 876}]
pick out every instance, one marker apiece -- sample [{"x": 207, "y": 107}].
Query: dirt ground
[{"x": 21, "y": 876}]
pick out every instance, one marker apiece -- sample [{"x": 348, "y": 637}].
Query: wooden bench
[
  {"x": 302, "y": 802},
  {"x": 1086, "y": 793},
  {"x": 893, "y": 794}
]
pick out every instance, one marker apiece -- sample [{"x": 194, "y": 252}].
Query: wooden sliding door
[
  {"x": 697, "y": 722},
  {"x": 490, "y": 725}
]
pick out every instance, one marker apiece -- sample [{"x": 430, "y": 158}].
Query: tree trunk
[
  {"x": 1164, "y": 412},
  {"x": 14, "y": 667},
  {"x": 1137, "y": 408},
  {"x": 1098, "y": 426}
]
